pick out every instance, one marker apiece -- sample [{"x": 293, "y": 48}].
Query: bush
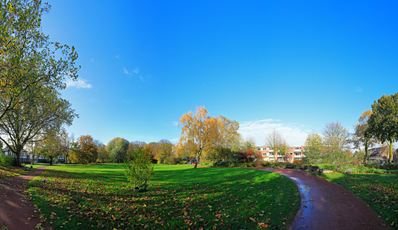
[
  {"x": 257, "y": 164},
  {"x": 221, "y": 164},
  {"x": 7, "y": 160},
  {"x": 389, "y": 166},
  {"x": 183, "y": 162},
  {"x": 139, "y": 171},
  {"x": 171, "y": 160}
]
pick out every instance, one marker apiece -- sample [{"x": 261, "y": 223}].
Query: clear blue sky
[{"x": 293, "y": 66}]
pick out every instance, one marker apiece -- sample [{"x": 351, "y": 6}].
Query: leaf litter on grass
[{"x": 203, "y": 197}]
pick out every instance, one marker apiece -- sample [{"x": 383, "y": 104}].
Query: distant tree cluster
[{"x": 378, "y": 126}]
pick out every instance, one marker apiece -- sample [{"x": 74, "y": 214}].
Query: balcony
[
  {"x": 297, "y": 150},
  {"x": 281, "y": 155},
  {"x": 297, "y": 156}
]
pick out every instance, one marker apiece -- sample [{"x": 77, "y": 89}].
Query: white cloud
[
  {"x": 126, "y": 72},
  {"x": 175, "y": 140},
  {"x": 293, "y": 133},
  {"x": 136, "y": 71},
  {"x": 142, "y": 79},
  {"x": 359, "y": 89},
  {"x": 175, "y": 123},
  {"x": 80, "y": 84}
]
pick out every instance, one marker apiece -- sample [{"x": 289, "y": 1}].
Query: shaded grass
[
  {"x": 99, "y": 196},
  {"x": 11, "y": 171},
  {"x": 380, "y": 191}
]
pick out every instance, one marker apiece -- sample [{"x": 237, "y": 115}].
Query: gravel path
[
  {"x": 16, "y": 211},
  {"x": 325, "y": 205}
]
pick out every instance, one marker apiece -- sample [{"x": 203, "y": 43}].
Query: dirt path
[
  {"x": 325, "y": 205},
  {"x": 16, "y": 211}
]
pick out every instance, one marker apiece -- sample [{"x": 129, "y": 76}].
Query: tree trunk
[
  {"x": 18, "y": 159},
  {"x": 366, "y": 152},
  {"x": 197, "y": 160},
  {"x": 390, "y": 154},
  {"x": 51, "y": 160}
]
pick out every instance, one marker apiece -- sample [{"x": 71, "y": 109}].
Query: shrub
[
  {"x": 221, "y": 164},
  {"x": 257, "y": 164},
  {"x": 183, "y": 162},
  {"x": 139, "y": 170},
  {"x": 171, "y": 160},
  {"x": 7, "y": 160},
  {"x": 389, "y": 166}
]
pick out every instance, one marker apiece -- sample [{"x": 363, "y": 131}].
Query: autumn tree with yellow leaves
[{"x": 201, "y": 133}]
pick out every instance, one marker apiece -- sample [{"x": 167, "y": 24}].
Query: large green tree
[
  {"x": 117, "y": 149},
  {"x": 383, "y": 123},
  {"x": 29, "y": 60},
  {"x": 361, "y": 137},
  {"x": 41, "y": 116}
]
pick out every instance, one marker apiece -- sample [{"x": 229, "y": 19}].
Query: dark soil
[{"x": 17, "y": 212}]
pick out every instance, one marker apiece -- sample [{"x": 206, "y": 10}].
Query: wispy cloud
[
  {"x": 79, "y": 84},
  {"x": 117, "y": 57},
  {"x": 175, "y": 123},
  {"x": 294, "y": 134},
  {"x": 359, "y": 89},
  {"x": 92, "y": 60},
  {"x": 126, "y": 72},
  {"x": 136, "y": 71}
]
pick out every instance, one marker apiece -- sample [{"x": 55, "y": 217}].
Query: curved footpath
[
  {"x": 16, "y": 211},
  {"x": 325, "y": 205}
]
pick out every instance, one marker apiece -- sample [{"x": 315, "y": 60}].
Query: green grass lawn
[
  {"x": 380, "y": 191},
  {"x": 99, "y": 196}
]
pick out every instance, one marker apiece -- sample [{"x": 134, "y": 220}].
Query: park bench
[
  {"x": 289, "y": 166},
  {"x": 303, "y": 167},
  {"x": 316, "y": 169}
]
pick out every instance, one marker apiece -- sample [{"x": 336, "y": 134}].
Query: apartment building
[{"x": 292, "y": 153}]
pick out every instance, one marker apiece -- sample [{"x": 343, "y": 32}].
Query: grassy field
[
  {"x": 14, "y": 171},
  {"x": 99, "y": 196},
  {"x": 380, "y": 191}
]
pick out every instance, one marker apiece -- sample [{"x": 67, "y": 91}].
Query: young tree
[
  {"x": 28, "y": 60},
  {"x": 313, "y": 146},
  {"x": 383, "y": 123},
  {"x": 361, "y": 137},
  {"x": 198, "y": 132},
  {"x": 335, "y": 137},
  {"x": 274, "y": 141},
  {"x": 117, "y": 149},
  {"x": 139, "y": 170}
]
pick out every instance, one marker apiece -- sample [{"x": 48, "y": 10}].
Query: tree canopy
[
  {"x": 117, "y": 149},
  {"x": 383, "y": 123},
  {"x": 201, "y": 133}
]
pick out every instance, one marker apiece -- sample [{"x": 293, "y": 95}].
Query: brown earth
[
  {"x": 16, "y": 210},
  {"x": 326, "y": 205}
]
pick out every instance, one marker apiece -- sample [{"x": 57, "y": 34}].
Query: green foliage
[
  {"x": 7, "y": 160},
  {"x": 171, "y": 160},
  {"x": 117, "y": 149},
  {"x": 76, "y": 197},
  {"x": 340, "y": 159},
  {"x": 139, "y": 170},
  {"x": 389, "y": 166},
  {"x": 383, "y": 123},
  {"x": 313, "y": 156}
]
